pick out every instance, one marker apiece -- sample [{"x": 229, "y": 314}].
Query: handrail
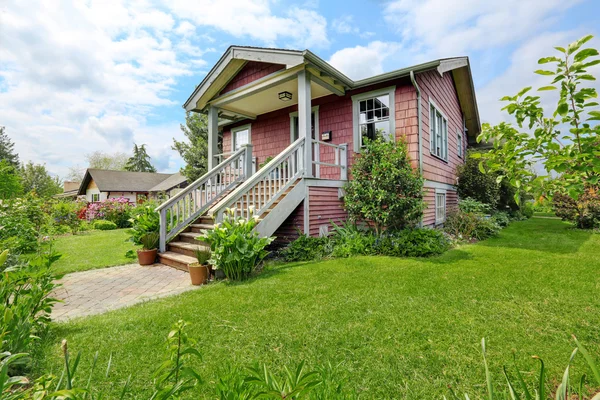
[
  {"x": 340, "y": 152},
  {"x": 258, "y": 193},
  {"x": 186, "y": 206}
]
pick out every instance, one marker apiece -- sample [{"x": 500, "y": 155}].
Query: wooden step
[
  {"x": 190, "y": 237},
  {"x": 205, "y": 219},
  {"x": 186, "y": 248},
  {"x": 201, "y": 228},
  {"x": 176, "y": 260}
]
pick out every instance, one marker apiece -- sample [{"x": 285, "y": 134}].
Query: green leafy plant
[
  {"x": 584, "y": 212},
  {"x": 571, "y": 153},
  {"x": 203, "y": 256},
  {"x": 385, "y": 189},
  {"x": 412, "y": 242},
  {"x": 470, "y": 205},
  {"x": 235, "y": 247},
  {"x": 103, "y": 225},
  {"x": 307, "y": 248},
  {"x": 150, "y": 240},
  {"x": 65, "y": 213},
  {"x": 351, "y": 240},
  {"x": 501, "y": 218},
  {"x": 145, "y": 220},
  {"x": 470, "y": 226}
]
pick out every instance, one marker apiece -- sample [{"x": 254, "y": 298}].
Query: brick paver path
[{"x": 101, "y": 290}]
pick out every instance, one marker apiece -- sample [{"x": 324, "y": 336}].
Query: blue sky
[{"x": 101, "y": 75}]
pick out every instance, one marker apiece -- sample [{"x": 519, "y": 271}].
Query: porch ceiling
[{"x": 267, "y": 100}]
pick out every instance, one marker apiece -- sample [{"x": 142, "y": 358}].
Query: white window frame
[
  {"x": 440, "y": 217},
  {"x": 315, "y": 110},
  {"x": 391, "y": 92},
  {"x": 460, "y": 145},
  {"x": 237, "y": 129},
  {"x": 432, "y": 134},
  {"x": 94, "y": 195}
]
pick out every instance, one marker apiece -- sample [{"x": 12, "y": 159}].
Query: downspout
[
  {"x": 419, "y": 136},
  {"x": 420, "y": 133}
]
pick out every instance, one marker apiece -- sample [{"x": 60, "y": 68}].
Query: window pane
[
  {"x": 363, "y": 106},
  {"x": 370, "y": 104},
  {"x": 384, "y": 101},
  {"x": 382, "y": 129},
  {"x": 241, "y": 138},
  {"x": 362, "y": 118},
  {"x": 370, "y": 116}
]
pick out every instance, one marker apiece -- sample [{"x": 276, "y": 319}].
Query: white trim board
[{"x": 438, "y": 185}]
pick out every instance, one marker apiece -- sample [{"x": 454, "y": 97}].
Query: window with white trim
[
  {"x": 240, "y": 136},
  {"x": 440, "y": 207},
  {"x": 438, "y": 128},
  {"x": 459, "y": 141},
  {"x": 373, "y": 115},
  {"x": 95, "y": 197}
]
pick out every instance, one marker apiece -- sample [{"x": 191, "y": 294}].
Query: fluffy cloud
[{"x": 363, "y": 61}]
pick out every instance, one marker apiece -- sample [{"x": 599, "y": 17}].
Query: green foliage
[
  {"x": 384, "y": 188},
  {"x": 470, "y": 205},
  {"x": 584, "y": 212},
  {"x": 236, "y": 248},
  {"x": 515, "y": 387},
  {"x": 469, "y": 225},
  {"x": 104, "y": 225},
  {"x": 351, "y": 240},
  {"x": 195, "y": 151},
  {"x": 571, "y": 153},
  {"x": 475, "y": 184},
  {"x": 150, "y": 240},
  {"x": 25, "y": 304},
  {"x": 10, "y": 181},
  {"x": 203, "y": 256},
  {"x": 413, "y": 243},
  {"x": 144, "y": 220},
  {"x": 17, "y": 232},
  {"x": 307, "y": 248},
  {"x": 102, "y": 160},
  {"x": 502, "y": 219},
  {"x": 66, "y": 213},
  {"x": 7, "y": 150},
  {"x": 35, "y": 178},
  {"x": 140, "y": 161},
  {"x": 527, "y": 209}
]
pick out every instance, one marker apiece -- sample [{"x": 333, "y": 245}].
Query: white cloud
[
  {"x": 300, "y": 27},
  {"x": 344, "y": 24},
  {"x": 363, "y": 61}
]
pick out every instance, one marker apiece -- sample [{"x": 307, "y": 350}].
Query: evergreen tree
[
  {"x": 194, "y": 151},
  {"x": 7, "y": 151},
  {"x": 140, "y": 161},
  {"x": 10, "y": 182},
  {"x": 35, "y": 178}
]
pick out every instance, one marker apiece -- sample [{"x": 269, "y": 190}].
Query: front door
[{"x": 294, "y": 135}]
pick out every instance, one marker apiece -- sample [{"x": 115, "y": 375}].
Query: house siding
[
  {"x": 250, "y": 72},
  {"x": 429, "y": 197},
  {"x": 292, "y": 227},
  {"x": 324, "y": 207}
]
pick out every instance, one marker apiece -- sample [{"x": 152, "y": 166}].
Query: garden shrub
[
  {"x": 144, "y": 220},
  {"x": 584, "y": 212},
  {"x": 350, "y": 240},
  {"x": 385, "y": 189},
  {"x": 236, "y": 248},
  {"x": 307, "y": 248},
  {"x": 477, "y": 185},
  {"x": 103, "y": 225},
  {"x": 470, "y": 205},
  {"x": 527, "y": 209},
  {"x": 501, "y": 218},
  {"x": 412, "y": 242},
  {"x": 118, "y": 211},
  {"x": 468, "y": 225},
  {"x": 65, "y": 214},
  {"x": 17, "y": 233}
]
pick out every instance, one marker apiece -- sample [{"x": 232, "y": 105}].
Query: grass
[
  {"x": 92, "y": 249},
  {"x": 544, "y": 214},
  {"x": 399, "y": 328}
]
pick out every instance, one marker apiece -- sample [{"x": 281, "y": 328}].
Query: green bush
[
  {"x": 474, "y": 184},
  {"x": 470, "y": 205},
  {"x": 307, "y": 248},
  {"x": 144, "y": 220},
  {"x": 17, "y": 232},
  {"x": 501, "y": 218},
  {"x": 527, "y": 209},
  {"x": 416, "y": 242},
  {"x": 236, "y": 248},
  {"x": 584, "y": 212},
  {"x": 385, "y": 189},
  {"x": 104, "y": 225},
  {"x": 65, "y": 214},
  {"x": 468, "y": 226}
]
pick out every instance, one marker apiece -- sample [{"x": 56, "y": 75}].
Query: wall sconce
[{"x": 285, "y": 96}]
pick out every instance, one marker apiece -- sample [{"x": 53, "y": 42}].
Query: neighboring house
[
  {"x": 70, "y": 190},
  {"x": 99, "y": 185},
  {"x": 296, "y": 110}
]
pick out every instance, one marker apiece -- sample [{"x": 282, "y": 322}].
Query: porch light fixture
[{"x": 285, "y": 96}]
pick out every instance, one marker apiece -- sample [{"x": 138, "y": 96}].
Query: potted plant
[
  {"x": 199, "y": 272},
  {"x": 147, "y": 255}
]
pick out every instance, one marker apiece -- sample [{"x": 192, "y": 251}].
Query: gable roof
[
  {"x": 169, "y": 183},
  {"x": 234, "y": 59},
  {"x": 124, "y": 181}
]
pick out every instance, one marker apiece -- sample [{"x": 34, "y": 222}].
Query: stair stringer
[{"x": 277, "y": 216}]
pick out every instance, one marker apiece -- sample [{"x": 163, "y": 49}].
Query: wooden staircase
[{"x": 181, "y": 251}]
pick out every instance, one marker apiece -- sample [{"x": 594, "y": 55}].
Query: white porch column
[
  {"x": 304, "y": 111},
  {"x": 213, "y": 132}
]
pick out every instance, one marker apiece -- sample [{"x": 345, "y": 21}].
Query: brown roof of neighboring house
[
  {"x": 124, "y": 181},
  {"x": 169, "y": 183}
]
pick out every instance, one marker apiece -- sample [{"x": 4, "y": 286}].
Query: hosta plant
[{"x": 236, "y": 248}]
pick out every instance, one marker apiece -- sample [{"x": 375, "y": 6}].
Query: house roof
[
  {"x": 236, "y": 57},
  {"x": 125, "y": 181},
  {"x": 169, "y": 183}
]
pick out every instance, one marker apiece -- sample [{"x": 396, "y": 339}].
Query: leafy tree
[
  {"x": 35, "y": 178},
  {"x": 140, "y": 161},
  {"x": 194, "y": 151},
  {"x": 102, "y": 160},
  {"x": 563, "y": 141},
  {"x": 385, "y": 189},
  {"x": 10, "y": 182},
  {"x": 472, "y": 183},
  {"x": 7, "y": 151},
  {"x": 75, "y": 174}
]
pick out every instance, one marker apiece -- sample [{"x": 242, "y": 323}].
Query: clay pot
[
  {"x": 147, "y": 257},
  {"x": 198, "y": 274}
]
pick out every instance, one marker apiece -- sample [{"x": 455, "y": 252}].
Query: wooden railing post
[
  {"x": 344, "y": 161},
  {"x": 163, "y": 230},
  {"x": 248, "y": 161}
]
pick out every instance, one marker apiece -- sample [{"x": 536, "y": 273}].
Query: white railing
[
  {"x": 258, "y": 193},
  {"x": 340, "y": 158},
  {"x": 186, "y": 206},
  {"x": 219, "y": 158}
]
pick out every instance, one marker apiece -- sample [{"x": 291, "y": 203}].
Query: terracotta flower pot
[
  {"x": 147, "y": 257},
  {"x": 198, "y": 274}
]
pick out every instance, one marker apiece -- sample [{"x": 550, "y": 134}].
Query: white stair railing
[
  {"x": 340, "y": 158},
  {"x": 186, "y": 206},
  {"x": 258, "y": 193}
]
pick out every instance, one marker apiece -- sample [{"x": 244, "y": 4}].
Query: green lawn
[
  {"x": 92, "y": 249},
  {"x": 399, "y": 328},
  {"x": 545, "y": 214}
]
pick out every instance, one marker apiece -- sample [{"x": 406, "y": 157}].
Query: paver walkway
[{"x": 101, "y": 290}]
